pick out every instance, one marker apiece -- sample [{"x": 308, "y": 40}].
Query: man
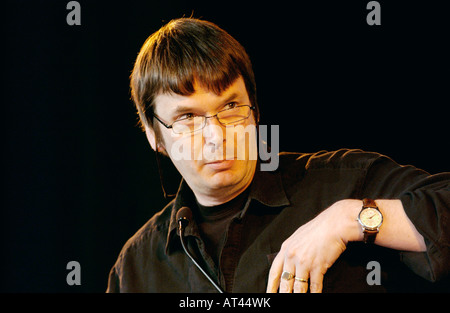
[{"x": 319, "y": 222}]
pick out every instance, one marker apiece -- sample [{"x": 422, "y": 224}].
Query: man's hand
[{"x": 314, "y": 247}]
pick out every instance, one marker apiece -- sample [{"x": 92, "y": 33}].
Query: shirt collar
[{"x": 266, "y": 188}]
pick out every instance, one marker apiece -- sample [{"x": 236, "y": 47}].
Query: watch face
[{"x": 370, "y": 217}]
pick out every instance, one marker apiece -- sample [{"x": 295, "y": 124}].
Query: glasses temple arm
[{"x": 159, "y": 120}]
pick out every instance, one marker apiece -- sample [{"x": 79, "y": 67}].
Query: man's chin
[{"x": 223, "y": 179}]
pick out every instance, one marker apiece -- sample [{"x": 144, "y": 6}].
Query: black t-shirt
[{"x": 213, "y": 223}]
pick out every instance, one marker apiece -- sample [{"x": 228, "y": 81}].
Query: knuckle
[
  {"x": 315, "y": 287},
  {"x": 285, "y": 245},
  {"x": 303, "y": 262},
  {"x": 285, "y": 287},
  {"x": 325, "y": 267},
  {"x": 273, "y": 275},
  {"x": 290, "y": 254},
  {"x": 300, "y": 287},
  {"x": 321, "y": 267}
]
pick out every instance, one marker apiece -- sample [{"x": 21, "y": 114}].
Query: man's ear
[{"x": 151, "y": 137}]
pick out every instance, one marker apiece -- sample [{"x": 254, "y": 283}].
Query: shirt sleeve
[
  {"x": 426, "y": 201},
  {"x": 113, "y": 282}
]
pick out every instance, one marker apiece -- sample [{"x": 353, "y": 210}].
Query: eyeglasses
[{"x": 193, "y": 123}]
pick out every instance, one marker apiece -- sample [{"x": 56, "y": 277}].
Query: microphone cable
[{"x": 183, "y": 220}]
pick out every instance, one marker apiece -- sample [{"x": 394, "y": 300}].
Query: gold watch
[{"x": 370, "y": 219}]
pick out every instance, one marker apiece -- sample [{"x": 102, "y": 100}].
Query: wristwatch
[{"x": 370, "y": 219}]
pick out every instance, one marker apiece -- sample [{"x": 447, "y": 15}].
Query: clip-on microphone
[{"x": 184, "y": 216}]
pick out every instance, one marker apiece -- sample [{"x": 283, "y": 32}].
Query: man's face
[{"x": 213, "y": 160}]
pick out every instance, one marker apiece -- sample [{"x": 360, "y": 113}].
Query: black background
[{"x": 79, "y": 177}]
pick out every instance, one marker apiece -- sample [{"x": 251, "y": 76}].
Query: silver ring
[
  {"x": 302, "y": 280},
  {"x": 287, "y": 276}
]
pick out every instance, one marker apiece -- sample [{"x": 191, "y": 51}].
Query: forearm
[
  {"x": 396, "y": 232},
  {"x": 316, "y": 245}
]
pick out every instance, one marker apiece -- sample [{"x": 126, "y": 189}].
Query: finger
[
  {"x": 316, "y": 281},
  {"x": 275, "y": 274},
  {"x": 287, "y": 284},
  {"x": 301, "y": 281}
]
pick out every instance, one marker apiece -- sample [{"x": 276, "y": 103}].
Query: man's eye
[
  {"x": 231, "y": 105},
  {"x": 187, "y": 116}
]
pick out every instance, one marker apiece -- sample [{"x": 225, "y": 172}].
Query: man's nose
[{"x": 213, "y": 131}]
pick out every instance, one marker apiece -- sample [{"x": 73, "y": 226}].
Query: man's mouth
[{"x": 220, "y": 164}]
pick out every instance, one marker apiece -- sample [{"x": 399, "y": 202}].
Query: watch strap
[
  {"x": 369, "y": 203},
  {"x": 369, "y": 236}
]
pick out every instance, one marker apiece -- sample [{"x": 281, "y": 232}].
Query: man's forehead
[{"x": 202, "y": 98}]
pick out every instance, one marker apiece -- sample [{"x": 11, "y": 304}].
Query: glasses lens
[
  {"x": 188, "y": 125},
  {"x": 226, "y": 117},
  {"x": 234, "y": 115}
]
